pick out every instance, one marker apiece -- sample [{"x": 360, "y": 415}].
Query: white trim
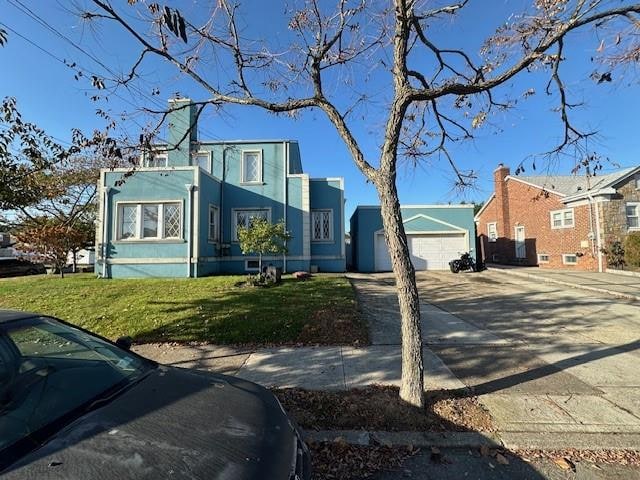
[
  {"x": 260, "y": 181},
  {"x": 495, "y": 227},
  {"x": 326, "y": 179},
  {"x": 476, "y": 217},
  {"x": 306, "y": 216},
  {"x": 544, "y": 255},
  {"x": 564, "y": 258},
  {"x": 216, "y": 238},
  {"x": 144, "y": 260},
  {"x": 195, "y": 223},
  {"x": 140, "y": 222},
  {"x": 246, "y": 265},
  {"x": 331, "y": 238},
  {"x": 523, "y": 241},
  {"x": 442, "y": 222},
  {"x": 147, "y": 169},
  {"x": 539, "y": 187},
  {"x": 637, "y": 215},
  {"x": 562, "y": 219},
  {"x": 234, "y": 231}
]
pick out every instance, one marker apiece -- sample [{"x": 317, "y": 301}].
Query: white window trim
[
  {"x": 260, "y": 181},
  {"x": 145, "y": 158},
  {"x": 495, "y": 226},
  {"x": 117, "y": 227},
  {"x": 234, "y": 223},
  {"x": 564, "y": 259},
  {"x": 194, "y": 159},
  {"x": 216, "y": 237},
  {"x": 543, "y": 255},
  {"x": 331, "y": 220},
  {"x": 626, "y": 217},
  {"x": 246, "y": 265},
  {"x": 637, "y": 181},
  {"x": 562, "y": 212}
]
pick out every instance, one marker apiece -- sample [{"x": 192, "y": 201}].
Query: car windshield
[{"x": 50, "y": 371}]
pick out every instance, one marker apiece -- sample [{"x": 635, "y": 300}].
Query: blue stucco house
[
  {"x": 177, "y": 214},
  {"x": 436, "y": 234}
]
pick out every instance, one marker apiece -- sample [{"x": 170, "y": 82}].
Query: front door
[{"x": 521, "y": 249}]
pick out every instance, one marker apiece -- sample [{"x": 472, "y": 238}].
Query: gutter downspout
[
  {"x": 285, "y": 160},
  {"x": 598, "y": 239},
  {"x": 190, "y": 235},
  {"x": 221, "y": 214},
  {"x": 105, "y": 227}
]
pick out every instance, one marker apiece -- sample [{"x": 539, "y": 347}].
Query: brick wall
[{"x": 530, "y": 207}]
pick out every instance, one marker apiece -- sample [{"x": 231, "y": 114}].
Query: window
[
  {"x": 142, "y": 221},
  {"x": 569, "y": 258},
  {"x": 251, "y": 265},
  {"x": 637, "y": 182},
  {"x": 322, "y": 225},
  {"x": 155, "y": 160},
  {"x": 632, "y": 211},
  {"x": 201, "y": 159},
  {"x": 243, "y": 218},
  {"x": 562, "y": 218},
  {"x": 213, "y": 224},
  {"x": 252, "y": 166},
  {"x": 543, "y": 258},
  {"x": 492, "y": 231}
]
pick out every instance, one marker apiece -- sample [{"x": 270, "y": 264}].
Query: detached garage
[{"x": 436, "y": 234}]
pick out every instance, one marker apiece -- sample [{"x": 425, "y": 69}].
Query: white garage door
[{"x": 428, "y": 252}]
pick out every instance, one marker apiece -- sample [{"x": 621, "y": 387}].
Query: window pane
[
  {"x": 128, "y": 225},
  {"x": 203, "y": 162},
  {"x": 213, "y": 221},
  {"x": 172, "y": 220},
  {"x": 251, "y": 167},
  {"x": 149, "y": 221},
  {"x": 326, "y": 225},
  {"x": 631, "y": 211},
  {"x": 633, "y": 222}
]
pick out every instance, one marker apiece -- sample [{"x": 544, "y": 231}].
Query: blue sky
[{"x": 48, "y": 95}]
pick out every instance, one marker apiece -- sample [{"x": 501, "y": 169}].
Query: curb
[
  {"x": 542, "y": 278},
  {"x": 510, "y": 440},
  {"x": 405, "y": 439}
]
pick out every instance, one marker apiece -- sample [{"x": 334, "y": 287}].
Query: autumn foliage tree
[{"x": 360, "y": 59}]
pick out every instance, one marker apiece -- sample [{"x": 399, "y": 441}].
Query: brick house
[{"x": 558, "y": 221}]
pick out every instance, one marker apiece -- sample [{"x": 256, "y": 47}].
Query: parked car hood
[{"x": 174, "y": 423}]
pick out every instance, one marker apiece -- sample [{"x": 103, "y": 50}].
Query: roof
[
  {"x": 569, "y": 185},
  {"x": 11, "y": 315}
]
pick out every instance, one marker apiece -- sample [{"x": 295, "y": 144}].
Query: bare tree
[{"x": 431, "y": 95}]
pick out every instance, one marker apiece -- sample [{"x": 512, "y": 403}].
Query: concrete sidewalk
[{"x": 617, "y": 285}]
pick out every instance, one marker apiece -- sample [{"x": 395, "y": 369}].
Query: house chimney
[
  {"x": 502, "y": 200},
  {"x": 183, "y": 130}
]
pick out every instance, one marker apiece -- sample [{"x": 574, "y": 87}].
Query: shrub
[
  {"x": 632, "y": 249},
  {"x": 615, "y": 254}
]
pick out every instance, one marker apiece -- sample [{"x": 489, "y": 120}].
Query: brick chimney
[{"x": 502, "y": 200}]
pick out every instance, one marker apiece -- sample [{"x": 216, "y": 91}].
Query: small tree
[
  {"x": 262, "y": 237},
  {"x": 52, "y": 239},
  {"x": 632, "y": 249}
]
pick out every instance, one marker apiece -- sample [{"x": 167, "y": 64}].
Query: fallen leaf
[
  {"x": 501, "y": 459},
  {"x": 564, "y": 463},
  {"x": 484, "y": 450}
]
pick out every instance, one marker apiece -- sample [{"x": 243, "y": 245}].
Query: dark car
[
  {"x": 14, "y": 267},
  {"x": 76, "y": 406}
]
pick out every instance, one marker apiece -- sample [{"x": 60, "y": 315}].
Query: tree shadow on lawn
[{"x": 294, "y": 312}]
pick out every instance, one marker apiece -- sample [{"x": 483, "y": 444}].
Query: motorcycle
[{"x": 465, "y": 262}]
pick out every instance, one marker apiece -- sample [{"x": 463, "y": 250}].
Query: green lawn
[{"x": 320, "y": 310}]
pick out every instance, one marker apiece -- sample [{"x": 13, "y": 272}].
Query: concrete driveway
[{"x": 545, "y": 358}]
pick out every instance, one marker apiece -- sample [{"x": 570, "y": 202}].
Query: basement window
[
  {"x": 251, "y": 265},
  {"x": 569, "y": 259},
  {"x": 543, "y": 258}
]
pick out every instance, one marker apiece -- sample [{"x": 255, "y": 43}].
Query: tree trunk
[
  {"x": 75, "y": 262},
  {"x": 412, "y": 382}
]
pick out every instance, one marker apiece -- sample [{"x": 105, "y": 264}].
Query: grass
[{"x": 321, "y": 310}]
